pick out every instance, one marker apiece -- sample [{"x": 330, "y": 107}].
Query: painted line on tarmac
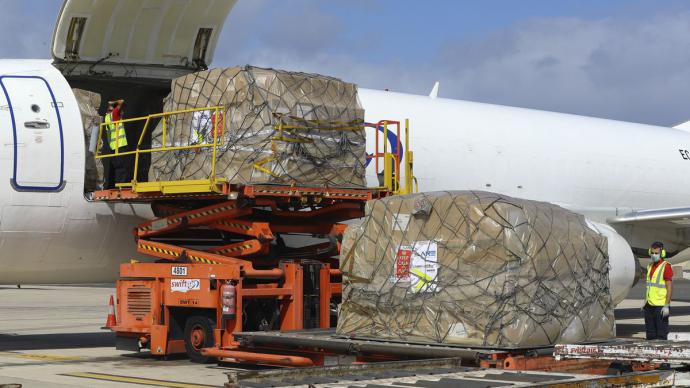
[
  {"x": 40, "y": 357},
  {"x": 136, "y": 380}
]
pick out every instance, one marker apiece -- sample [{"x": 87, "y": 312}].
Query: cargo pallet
[{"x": 225, "y": 257}]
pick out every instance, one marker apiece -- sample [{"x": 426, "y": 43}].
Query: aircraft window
[
  {"x": 203, "y": 37},
  {"x": 35, "y": 108},
  {"x": 76, "y": 29}
]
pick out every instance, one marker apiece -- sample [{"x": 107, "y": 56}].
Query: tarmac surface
[{"x": 50, "y": 336}]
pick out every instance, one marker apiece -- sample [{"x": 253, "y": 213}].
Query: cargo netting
[
  {"x": 88, "y": 103},
  {"x": 276, "y": 127},
  {"x": 474, "y": 268}
]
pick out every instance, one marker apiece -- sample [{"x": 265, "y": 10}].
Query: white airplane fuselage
[
  {"x": 594, "y": 166},
  {"x": 49, "y": 233}
]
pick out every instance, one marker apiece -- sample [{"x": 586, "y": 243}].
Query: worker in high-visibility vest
[
  {"x": 658, "y": 293},
  {"x": 118, "y": 169}
]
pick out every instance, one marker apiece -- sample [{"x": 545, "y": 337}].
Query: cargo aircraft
[{"x": 614, "y": 173}]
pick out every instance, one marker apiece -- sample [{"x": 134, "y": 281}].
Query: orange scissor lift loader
[{"x": 224, "y": 257}]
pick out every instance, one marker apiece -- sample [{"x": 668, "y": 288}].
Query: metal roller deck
[{"x": 439, "y": 373}]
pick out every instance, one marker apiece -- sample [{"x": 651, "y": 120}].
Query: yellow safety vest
[
  {"x": 117, "y": 138},
  {"x": 656, "y": 285}
]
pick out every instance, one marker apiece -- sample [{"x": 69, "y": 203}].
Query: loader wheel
[{"x": 198, "y": 334}]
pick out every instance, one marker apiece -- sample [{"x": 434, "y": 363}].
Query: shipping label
[
  {"x": 424, "y": 266},
  {"x": 400, "y": 222},
  {"x": 418, "y": 265},
  {"x": 402, "y": 264}
]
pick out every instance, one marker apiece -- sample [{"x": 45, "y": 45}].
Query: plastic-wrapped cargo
[
  {"x": 88, "y": 108},
  {"x": 476, "y": 269},
  {"x": 322, "y": 141}
]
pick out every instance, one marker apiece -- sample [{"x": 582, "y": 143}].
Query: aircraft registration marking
[{"x": 136, "y": 380}]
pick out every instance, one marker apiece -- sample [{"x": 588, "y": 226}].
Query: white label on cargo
[
  {"x": 457, "y": 330},
  {"x": 179, "y": 271},
  {"x": 400, "y": 222},
  {"x": 424, "y": 266},
  {"x": 184, "y": 285}
]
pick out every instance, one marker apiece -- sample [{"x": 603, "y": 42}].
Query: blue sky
[{"x": 619, "y": 59}]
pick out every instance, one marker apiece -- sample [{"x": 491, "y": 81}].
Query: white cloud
[
  {"x": 631, "y": 67},
  {"x": 621, "y": 68}
]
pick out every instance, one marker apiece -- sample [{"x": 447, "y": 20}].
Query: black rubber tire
[{"x": 194, "y": 326}]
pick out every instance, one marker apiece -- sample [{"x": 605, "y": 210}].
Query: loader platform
[{"x": 233, "y": 257}]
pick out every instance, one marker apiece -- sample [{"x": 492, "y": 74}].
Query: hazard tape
[
  {"x": 178, "y": 219},
  {"x": 235, "y": 249},
  {"x": 159, "y": 250},
  {"x": 176, "y": 254},
  {"x": 312, "y": 193}
]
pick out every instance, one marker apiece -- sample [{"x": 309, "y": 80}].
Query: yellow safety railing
[
  {"x": 170, "y": 187},
  {"x": 391, "y": 161},
  {"x": 290, "y": 133}
]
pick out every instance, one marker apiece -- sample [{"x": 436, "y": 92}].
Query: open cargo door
[{"x": 157, "y": 39}]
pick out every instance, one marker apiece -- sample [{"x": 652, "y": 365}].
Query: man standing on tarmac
[
  {"x": 658, "y": 296},
  {"x": 118, "y": 167}
]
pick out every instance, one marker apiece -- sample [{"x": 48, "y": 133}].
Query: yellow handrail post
[
  {"x": 388, "y": 171},
  {"x": 165, "y": 127},
  {"x": 408, "y": 160},
  {"x": 136, "y": 156},
  {"x": 214, "y": 124}
]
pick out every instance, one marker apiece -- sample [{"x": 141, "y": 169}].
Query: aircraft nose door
[{"x": 37, "y": 131}]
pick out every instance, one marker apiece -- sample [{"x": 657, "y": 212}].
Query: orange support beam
[
  {"x": 240, "y": 249},
  {"x": 202, "y": 216},
  {"x": 259, "y": 230}
]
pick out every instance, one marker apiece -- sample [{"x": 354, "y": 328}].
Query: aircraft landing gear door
[{"x": 37, "y": 130}]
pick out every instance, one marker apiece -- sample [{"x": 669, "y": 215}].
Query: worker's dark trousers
[
  {"x": 120, "y": 170},
  {"x": 655, "y": 325}
]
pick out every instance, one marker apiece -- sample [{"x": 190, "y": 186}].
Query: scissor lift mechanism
[{"x": 213, "y": 240}]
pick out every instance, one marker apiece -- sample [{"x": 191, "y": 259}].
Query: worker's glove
[{"x": 665, "y": 311}]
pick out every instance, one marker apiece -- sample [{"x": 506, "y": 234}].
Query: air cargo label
[
  {"x": 402, "y": 264},
  {"x": 184, "y": 285},
  {"x": 424, "y": 267},
  {"x": 417, "y": 265}
]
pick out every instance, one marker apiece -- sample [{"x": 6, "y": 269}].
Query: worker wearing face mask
[{"x": 658, "y": 296}]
